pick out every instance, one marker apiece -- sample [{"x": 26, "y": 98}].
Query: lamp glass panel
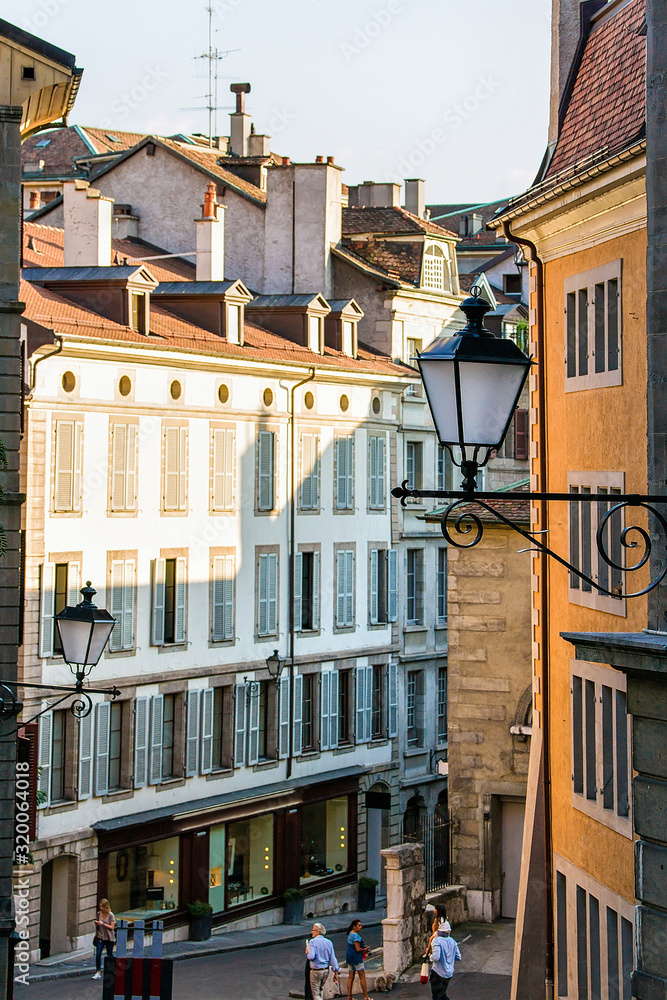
[
  {"x": 74, "y": 636},
  {"x": 488, "y": 396},
  {"x": 438, "y": 378}
]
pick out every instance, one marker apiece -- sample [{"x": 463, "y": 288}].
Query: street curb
[{"x": 296, "y": 935}]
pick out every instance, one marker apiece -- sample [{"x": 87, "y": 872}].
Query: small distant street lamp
[
  {"x": 473, "y": 382},
  {"x": 84, "y": 631},
  {"x": 274, "y": 664}
]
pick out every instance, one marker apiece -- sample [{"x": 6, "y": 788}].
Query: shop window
[
  {"x": 144, "y": 880},
  {"x": 248, "y": 859},
  {"x": 324, "y": 840}
]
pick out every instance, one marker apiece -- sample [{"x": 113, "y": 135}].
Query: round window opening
[
  {"x": 223, "y": 393},
  {"x": 124, "y": 385},
  {"x": 376, "y": 404},
  {"x": 175, "y": 389},
  {"x": 344, "y": 403},
  {"x": 268, "y": 397},
  {"x": 309, "y": 400},
  {"x": 69, "y": 381}
]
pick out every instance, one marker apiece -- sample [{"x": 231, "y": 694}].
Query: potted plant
[
  {"x": 200, "y": 916},
  {"x": 367, "y": 893},
  {"x": 293, "y": 900}
]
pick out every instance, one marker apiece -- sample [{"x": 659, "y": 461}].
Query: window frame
[
  {"x": 180, "y": 506},
  {"x": 377, "y": 472},
  {"x": 414, "y": 464},
  {"x": 267, "y": 555},
  {"x": 441, "y": 587},
  {"x": 417, "y": 595},
  {"x": 574, "y": 287},
  {"x": 310, "y": 497},
  {"x": 585, "y": 516},
  {"x": 345, "y": 553},
  {"x": 414, "y": 703},
  {"x": 344, "y": 442},
  {"x": 129, "y": 446},
  {"x": 73, "y": 505},
  {"x": 262, "y": 506}
]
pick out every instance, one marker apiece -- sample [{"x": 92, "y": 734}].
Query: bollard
[{"x": 138, "y": 950}]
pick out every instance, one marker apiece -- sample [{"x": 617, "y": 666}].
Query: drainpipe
[
  {"x": 543, "y": 487},
  {"x": 292, "y": 554},
  {"x": 43, "y": 357}
]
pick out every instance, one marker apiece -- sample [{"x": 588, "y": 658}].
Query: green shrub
[
  {"x": 198, "y": 909},
  {"x": 366, "y": 882},
  {"x": 293, "y": 895}
]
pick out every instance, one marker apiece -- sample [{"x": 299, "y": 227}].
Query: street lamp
[
  {"x": 274, "y": 664},
  {"x": 473, "y": 381},
  {"x": 84, "y": 631}
]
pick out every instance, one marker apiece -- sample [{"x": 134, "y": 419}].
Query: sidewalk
[{"x": 82, "y": 963}]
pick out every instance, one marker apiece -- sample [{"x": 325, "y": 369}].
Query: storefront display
[
  {"x": 243, "y": 852},
  {"x": 143, "y": 881},
  {"x": 324, "y": 840}
]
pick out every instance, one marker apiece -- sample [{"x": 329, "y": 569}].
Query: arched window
[{"x": 436, "y": 269}]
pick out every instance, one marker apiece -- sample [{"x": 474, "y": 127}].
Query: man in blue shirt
[
  {"x": 445, "y": 952},
  {"x": 320, "y": 954}
]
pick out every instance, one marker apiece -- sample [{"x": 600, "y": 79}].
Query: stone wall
[{"x": 405, "y": 929}]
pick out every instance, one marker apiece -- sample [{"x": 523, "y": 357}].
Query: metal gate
[{"x": 435, "y": 836}]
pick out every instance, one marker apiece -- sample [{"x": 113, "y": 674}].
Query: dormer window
[
  {"x": 234, "y": 324},
  {"x": 348, "y": 338},
  {"x": 139, "y": 312},
  {"x": 315, "y": 334},
  {"x": 436, "y": 269}
]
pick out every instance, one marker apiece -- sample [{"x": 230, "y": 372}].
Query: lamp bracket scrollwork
[{"x": 81, "y": 706}]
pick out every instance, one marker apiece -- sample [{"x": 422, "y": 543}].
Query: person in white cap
[{"x": 445, "y": 954}]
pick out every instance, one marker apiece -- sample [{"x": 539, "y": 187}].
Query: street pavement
[{"x": 273, "y": 970}]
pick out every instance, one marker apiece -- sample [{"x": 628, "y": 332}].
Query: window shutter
[
  {"x": 368, "y": 706},
  {"x": 374, "y": 595},
  {"x": 373, "y": 470},
  {"x": 392, "y": 685},
  {"x": 262, "y": 594},
  {"x": 349, "y": 588},
  {"x": 171, "y": 467},
  {"x": 228, "y": 597},
  {"x": 283, "y": 739},
  {"x": 140, "y": 742},
  {"x": 128, "y": 604},
  {"x": 223, "y": 469},
  {"x": 157, "y": 713},
  {"x": 325, "y": 709},
  {"x": 272, "y": 601},
  {"x": 102, "y": 726},
  {"x": 45, "y": 728},
  {"x": 157, "y": 638},
  {"x": 306, "y": 471},
  {"x": 239, "y": 726},
  {"x": 341, "y": 480},
  {"x": 47, "y": 607},
  {"x": 297, "y": 715},
  {"x": 340, "y": 588},
  {"x": 218, "y": 620},
  {"x": 206, "y": 760},
  {"x": 73, "y": 584},
  {"x": 298, "y": 581},
  {"x": 78, "y": 458},
  {"x": 360, "y": 696},
  {"x": 228, "y": 473},
  {"x": 381, "y": 498},
  {"x": 179, "y": 624},
  {"x": 333, "y": 709},
  {"x": 392, "y": 585},
  {"x": 192, "y": 740},
  {"x": 119, "y": 455},
  {"x": 85, "y": 756},
  {"x": 350, "y": 472},
  {"x": 265, "y": 492},
  {"x": 131, "y": 468},
  {"x": 182, "y": 468},
  {"x": 64, "y": 472},
  {"x": 521, "y": 431},
  {"x": 315, "y": 473},
  {"x": 253, "y": 727},
  {"x": 117, "y": 604},
  {"x": 316, "y": 590}
]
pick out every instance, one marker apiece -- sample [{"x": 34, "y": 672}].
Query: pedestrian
[
  {"x": 105, "y": 935},
  {"x": 440, "y": 922},
  {"x": 320, "y": 954},
  {"x": 445, "y": 953},
  {"x": 354, "y": 956}
]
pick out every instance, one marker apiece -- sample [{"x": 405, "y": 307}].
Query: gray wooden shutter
[
  {"x": 316, "y": 591},
  {"x": 183, "y": 468},
  {"x": 392, "y": 585},
  {"x": 45, "y": 730},
  {"x": 262, "y": 594},
  {"x": 47, "y": 607},
  {"x": 350, "y": 472},
  {"x": 171, "y": 467},
  {"x": 86, "y": 756},
  {"x": 253, "y": 727},
  {"x": 102, "y": 727},
  {"x": 192, "y": 738},
  {"x": 340, "y": 588},
  {"x": 119, "y": 466},
  {"x": 128, "y": 603},
  {"x": 306, "y": 466},
  {"x": 239, "y": 726},
  {"x": 131, "y": 468},
  {"x": 218, "y": 610},
  {"x": 181, "y": 589},
  {"x": 372, "y": 471},
  {"x": 298, "y": 581},
  {"x": 283, "y": 739},
  {"x": 392, "y": 699},
  {"x": 297, "y": 715},
  {"x": 360, "y": 695},
  {"x": 207, "y": 704},
  {"x": 223, "y": 469},
  {"x": 78, "y": 462},
  {"x": 64, "y": 461},
  {"x": 333, "y": 709},
  {"x": 272, "y": 600},
  {"x": 349, "y": 587},
  {"x": 157, "y": 714},
  {"x": 368, "y": 705},
  {"x": 117, "y": 605},
  {"x": 140, "y": 742},
  {"x": 228, "y": 597},
  {"x": 265, "y": 489},
  {"x": 325, "y": 690},
  {"x": 374, "y": 593},
  {"x": 157, "y": 631},
  {"x": 381, "y": 462}
]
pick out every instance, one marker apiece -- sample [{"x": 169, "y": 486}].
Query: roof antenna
[{"x": 214, "y": 55}]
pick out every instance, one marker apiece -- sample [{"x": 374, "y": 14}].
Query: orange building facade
[{"x": 583, "y": 225}]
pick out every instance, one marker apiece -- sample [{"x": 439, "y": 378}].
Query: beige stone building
[{"x": 489, "y": 708}]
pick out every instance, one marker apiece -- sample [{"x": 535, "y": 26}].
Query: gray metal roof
[
  {"x": 338, "y": 304},
  {"x": 193, "y": 287},
  {"x": 271, "y": 301},
  {"x": 117, "y": 272}
]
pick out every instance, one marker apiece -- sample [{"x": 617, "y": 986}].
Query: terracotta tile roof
[
  {"x": 388, "y": 220},
  {"x": 207, "y": 159},
  {"x": 400, "y": 260},
  {"x": 450, "y": 217},
  {"x": 63, "y": 145},
  {"x": 100, "y": 139},
  {"x": 512, "y": 508},
  {"x": 607, "y": 108},
  {"x": 345, "y": 252}
]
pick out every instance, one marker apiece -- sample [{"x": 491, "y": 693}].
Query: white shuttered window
[
  {"x": 267, "y": 593},
  {"x": 86, "y": 756},
  {"x": 175, "y": 468},
  {"x": 222, "y": 477},
  {"x": 364, "y": 703},
  {"x": 122, "y": 604},
  {"x": 344, "y": 588},
  {"x": 344, "y": 456},
  {"x": 68, "y": 462},
  {"x": 376, "y": 472},
  {"x": 310, "y": 472},
  {"x": 141, "y": 742},
  {"x": 222, "y": 622},
  {"x": 266, "y": 490},
  {"x": 123, "y": 466}
]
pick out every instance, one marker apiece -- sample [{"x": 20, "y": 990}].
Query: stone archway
[
  {"x": 378, "y": 812},
  {"x": 57, "y": 908}
]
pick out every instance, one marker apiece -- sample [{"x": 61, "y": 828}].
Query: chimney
[
  {"x": 415, "y": 198},
  {"x": 123, "y": 222},
  {"x": 240, "y": 121},
  {"x": 259, "y": 145},
  {"x": 210, "y": 261},
  {"x": 372, "y": 195},
  {"x": 570, "y": 22},
  {"x": 87, "y": 224},
  {"x": 34, "y": 201}
]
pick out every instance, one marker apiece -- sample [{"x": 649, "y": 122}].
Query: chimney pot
[
  {"x": 330, "y": 160},
  {"x": 209, "y": 208},
  {"x": 34, "y": 200},
  {"x": 210, "y": 239},
  {"x": 319, "y": 159}
]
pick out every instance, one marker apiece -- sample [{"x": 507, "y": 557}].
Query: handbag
[
  {"x": 425, "y": 972},
  {"x": 95, "y": 940}
]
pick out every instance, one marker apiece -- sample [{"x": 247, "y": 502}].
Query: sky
[{"x": 453, "y": 91}]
